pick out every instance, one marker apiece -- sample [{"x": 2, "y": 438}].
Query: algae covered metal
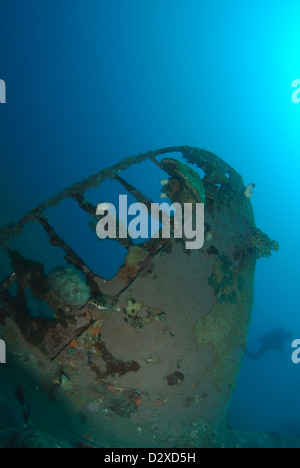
[{"x": 150, "y": 356}]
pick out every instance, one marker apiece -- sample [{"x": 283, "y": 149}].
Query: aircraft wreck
[{"x": 150, "y": 355}]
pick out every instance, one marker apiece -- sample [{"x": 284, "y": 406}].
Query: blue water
[{"x": 89, "y": 83}]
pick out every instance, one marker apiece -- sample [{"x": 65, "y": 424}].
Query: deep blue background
[{"x": 90, "y": 82}]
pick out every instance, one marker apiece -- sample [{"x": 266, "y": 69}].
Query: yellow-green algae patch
[
  {"x": 136, "y": 255},
  {"x": 226, "y": 328},
  {"x": 9, "y": 335}
]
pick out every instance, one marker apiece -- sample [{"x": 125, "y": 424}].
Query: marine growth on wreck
[{"x": 150, "y": 356}]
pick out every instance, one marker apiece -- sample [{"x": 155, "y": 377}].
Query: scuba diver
[{"x": 274, "y": 340}]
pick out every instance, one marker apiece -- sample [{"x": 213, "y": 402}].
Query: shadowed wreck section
[{"x": 152, "y": 356}]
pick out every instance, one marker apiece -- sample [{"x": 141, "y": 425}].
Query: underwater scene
[{"x": 149, "y": 225}]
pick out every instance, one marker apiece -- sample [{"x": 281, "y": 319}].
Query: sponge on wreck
[{"x": 69, "y": 285}]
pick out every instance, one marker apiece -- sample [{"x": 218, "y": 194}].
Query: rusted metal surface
[{"x": 158, "y": 347}]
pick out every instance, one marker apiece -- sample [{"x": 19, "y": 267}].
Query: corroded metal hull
[{"x": 152, "y": 358}]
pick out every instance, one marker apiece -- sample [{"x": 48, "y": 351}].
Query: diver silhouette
[{"x": 274, "y": 340}]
